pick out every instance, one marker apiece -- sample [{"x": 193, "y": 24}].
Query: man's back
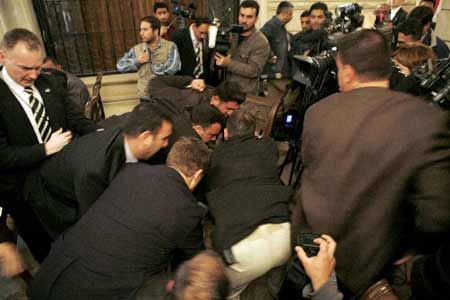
[
  {"x": 130, "y": 232},
  {"x": 375, "y": 162},
  {"x": 243, "y": 177}
]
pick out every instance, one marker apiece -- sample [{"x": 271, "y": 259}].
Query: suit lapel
[{"x": 14, "y": 115}]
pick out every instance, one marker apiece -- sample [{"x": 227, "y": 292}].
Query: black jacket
[
  {"x": 182, "y": 38},
  {"x": 244, "y": 189},
  {"x": 66, "y": 185},
  {"x": 132, "y": 231}
]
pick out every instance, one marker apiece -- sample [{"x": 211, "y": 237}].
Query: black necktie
[
  {"x": 198, "y": 71},
  {"x": 40, "y": 115}
]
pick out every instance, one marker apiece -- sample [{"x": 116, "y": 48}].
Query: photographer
[
  {"x": 366, "y": 166},
  {"x": 315, "y": 40},
  {"x": 246, "y": 63}
]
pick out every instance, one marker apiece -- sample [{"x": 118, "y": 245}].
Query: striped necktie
[
  {"x": 40, "y": 115},
  {"x": 198, "y": 71}
]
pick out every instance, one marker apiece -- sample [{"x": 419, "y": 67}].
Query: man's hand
[
  {"x": 57, "y": 141},
  {"x": 143, "y": 58},
  {"x": 223, "y": 61},
  {"x": 319, "y": 268},
  {"x": 198, "y": 85},
  {"x": 10, "y": 260}
]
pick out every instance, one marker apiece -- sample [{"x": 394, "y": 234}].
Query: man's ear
[
  {"x": 197, "y": 128},
  {"x": 225, "y": 133},
  {"x": 349, "y": 74},
  {"x": 146, "y": 136},
  {"x": 2, "y": 56},
  {"x": 170, "y": 285},
  {"x": 198, "y": 175}
]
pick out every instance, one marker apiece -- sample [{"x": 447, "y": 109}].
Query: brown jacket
[
  {"x": 376, "y": 168},
  {"x": 248, "y": 61}
]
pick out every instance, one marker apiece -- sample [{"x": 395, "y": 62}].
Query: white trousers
[{"x": 267, "y": 247}]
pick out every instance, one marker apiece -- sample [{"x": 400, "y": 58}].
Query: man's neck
[
  {"x": 153, "y": 44},
  {"x": 248, "y": 33}
]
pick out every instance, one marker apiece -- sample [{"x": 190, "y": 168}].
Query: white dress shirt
[
  {"x": 196, "y": 43},
  {"x": 129, "y": 157},
  {"x": 394, "y": 11},
  {"x": 23, "y": 98}
]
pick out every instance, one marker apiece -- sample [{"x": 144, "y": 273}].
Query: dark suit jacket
[
  {"x": 376, "y": 168},
  {"x": 131, "y": 232},
  {"x": 67, "y": 184},
  {"x": 19, "y": 147},
  {"x": 182, "y": 38}
]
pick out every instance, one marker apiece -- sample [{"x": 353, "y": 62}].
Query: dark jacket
[
  {"x": 279, "y": 39},
  {"x": 375, "y": 170},
  {"x": 182, "y": 38},
  {"x": 132, "y": 231},
  {"x": 20, "y": 151},
  {"x": 399, "y": 17},
  {"x": 438, "y": 45},
  {"x": 66, "y": 185},
  {"x": 244, "y": 189}
]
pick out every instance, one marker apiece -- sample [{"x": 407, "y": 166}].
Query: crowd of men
[{"x": 126, "y": 211}]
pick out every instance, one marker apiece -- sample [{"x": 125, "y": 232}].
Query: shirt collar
[
  {"x": 129, "y": 157},
  {"x": 394, "y": 12}
]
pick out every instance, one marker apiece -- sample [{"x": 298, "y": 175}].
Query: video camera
[
  {"x": 348, "y": 17},
  {"x": 435, "y": 82},
  {"x": 184, "y": 11},
  {"x": 221, "y": 36}
]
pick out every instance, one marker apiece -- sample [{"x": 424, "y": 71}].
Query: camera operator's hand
[
  {"x": 319, "y": 268},
  {"x": 223, "y": 61},
  {"x": 143, "y": 58},
  {"x": 198, "y": 85},
  {"x": 57, "y": 141},
  {"x": 10, "y": 260}
]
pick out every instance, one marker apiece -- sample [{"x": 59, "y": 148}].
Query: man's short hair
[
  {"x": 159, "y": 5},
  {"x": 432, "y": 1},
  {"x": 153, "y": 21},
  {"x": 284, "y": 6},
  {"x": 144, "y": 117},
  {"x": 202, "y": 20},
  {"x": 250, "y": 4},
  {"x": 367, "y": 51},
  {"x": 305, "y": 13},
  {"x": 16, "y": 35},
  {"x": 203, "y": 278},
  {"x": 411, "y": 27},
  {"x": 188, "y": 155},
  {"x": 205, "y": 115},
  {"x": 230, "y": 91},
  {"x": 241, "y": 123},
  {"x": 422, "y": 13},
  {"x": 317, "y": 6},
  {"x": 412, "y": 55},
  {"x": 51, "y": 59}
]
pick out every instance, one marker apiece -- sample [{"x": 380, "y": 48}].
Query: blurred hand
[
  {"x": 198, "y": 85},
  {"x": 57, "y": 141},
  {"x": 10, "y": 260},
  {"x": 143, "y": 58},
  {"x": 319, "y": 268},
  {"x": 223, "y": 61}
]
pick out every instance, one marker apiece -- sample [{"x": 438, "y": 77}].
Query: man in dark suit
[
  {"x": 145, "y": 216},
  {"x": 66, "y": 185},
  {"x": 398, "y": 14},
  {"x": 36, "y": 121},
  {"x": 376, "y": 166},
  {"x": 191, "y": 43}
]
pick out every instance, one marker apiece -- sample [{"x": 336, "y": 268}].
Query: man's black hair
[
  {"x": 144, "y": 117},
  {"x": 367, "y": 51},
  {"x": 318, "y": 5},
  {"x": 284, "y": 6},
  {"x": 205, "y": 115},
  {"x": 250, "y": 4},
  {"x": 230, "y": 91},
  {"x": 422, "y": 13},
  {"x": 52, "y": 59},
  {"x": 432, "y": 1},
  {"x": 202, "y": 20},
  {"x": 241, "y": 123},
  {"x": 411, "y": 27},
  {"x": 305, "y": 13},
  {"x": 153, "y": 21},
  {"x": 158, "y": 5}
]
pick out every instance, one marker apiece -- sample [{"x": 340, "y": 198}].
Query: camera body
[
  {"x": 306, "y": 241},
  {"x": 348, "y": 17},
  {"x": 435, "y": 82},
  {"x": 187, "y": 12}
]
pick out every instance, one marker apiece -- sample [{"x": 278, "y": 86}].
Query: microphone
[{"x": 212, "y": 33}]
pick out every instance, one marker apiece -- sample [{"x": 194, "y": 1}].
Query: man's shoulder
[{"x": 166, "y": 43}]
